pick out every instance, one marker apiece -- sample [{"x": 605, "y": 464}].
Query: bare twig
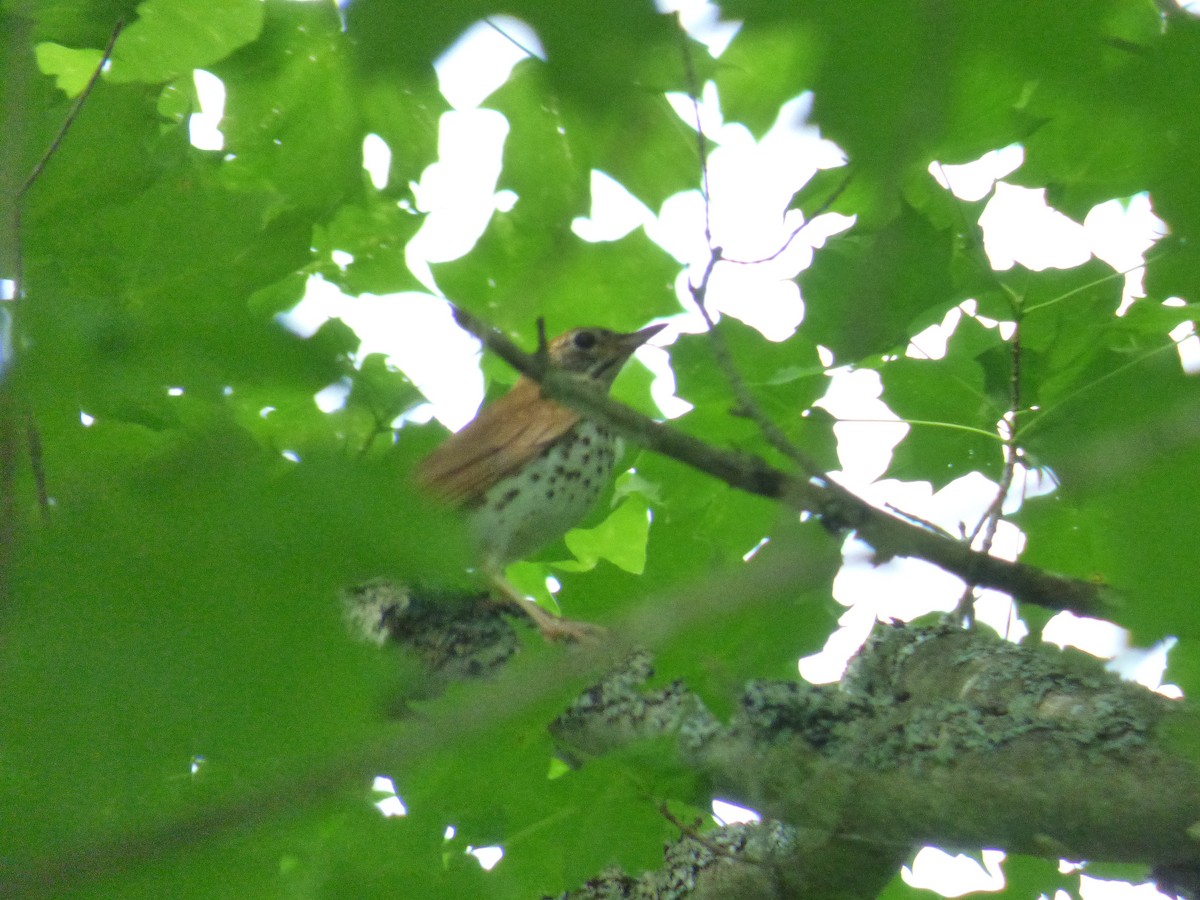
[
  {"x": 746, "y": 404},
  {"x": 73, "y": 114},
  {"x": 918, "y": 520},
  {"x": 808, "y": 220},
  {"x": 8, "y": 494},
  {"x": 512, "y": 40},
  {"x": 34, "y": 440},
  {"x": 991, "y": 518},
  {"x": 693, "y": 831},
  {"x": 32, "y": 434},
  {"x": 689, "y": 71},
  {"x": 51, "y": 149},
  {"x": 990, "y": 521},
  {"x": 543, "y": 347}
]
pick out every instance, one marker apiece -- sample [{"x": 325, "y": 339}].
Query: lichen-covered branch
[{"x": 935, "y": 736}]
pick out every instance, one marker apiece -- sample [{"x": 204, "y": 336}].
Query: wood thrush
[{"x": 527, "y": 469}]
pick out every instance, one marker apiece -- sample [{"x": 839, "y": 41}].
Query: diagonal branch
[{"x": 839, "y": 510}]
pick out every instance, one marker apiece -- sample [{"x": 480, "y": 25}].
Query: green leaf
[
  {"x": 952, "y": 413},
  {"x": 865, "y": 291},
  {"x": 290, "y": 112},
  {"x": 784, "y": 378},
  {"x": 610, "y": 65},
  {"x": 898, "y": 889},
  {"x": 620, "y": 538},
  {"x": 1029, "y": 876},
  {"x": 72, "y": 69},
  {"x": 374, "y": 234},
  {"x": 171, "y": 37},
  {"x": 1122, "y": 455},
  {"x": 380, "y": 390},
  {"x": 1067, "y": 319},
  {"x": 178, "y": 616},
  {"x": 524, "y": 267}
]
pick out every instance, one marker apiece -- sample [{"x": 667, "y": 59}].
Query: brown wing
[{"x": 502, "y": 438}]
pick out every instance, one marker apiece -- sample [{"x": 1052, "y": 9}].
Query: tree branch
[
  {"x": 840, "y": 510},
  {"x": 935, "y": 735}
]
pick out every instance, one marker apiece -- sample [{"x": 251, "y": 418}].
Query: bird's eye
[{"x": 585, "y": 340}]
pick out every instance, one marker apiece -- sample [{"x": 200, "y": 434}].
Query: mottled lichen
[
  {"x": 618, "y": 710},
  {"x": 746, "y": 861},
  {"x": 453, "y": 637},
  {"x": 937, "y": 692}
]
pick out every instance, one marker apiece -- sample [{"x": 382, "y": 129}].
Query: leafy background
[{"x": 174, "y": 606}]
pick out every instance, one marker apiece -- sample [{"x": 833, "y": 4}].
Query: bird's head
[{"x": 597, "y": 353}]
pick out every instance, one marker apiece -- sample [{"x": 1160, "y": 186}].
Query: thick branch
[
  {"x": 938, "y": 736},
  {"x": 839, "y": 509}
]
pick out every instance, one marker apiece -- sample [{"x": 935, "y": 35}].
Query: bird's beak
[{"x": 635, "y": 339}]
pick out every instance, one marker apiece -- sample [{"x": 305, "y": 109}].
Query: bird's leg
[{"x": 552, "y": 627}]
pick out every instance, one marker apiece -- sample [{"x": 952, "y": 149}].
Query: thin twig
[
  {"x": 512, "y": 40},
  {"x": 990, "y": 521},
  {"x": 689, "y": 71},
  {"x": 74, "y": 111},
  {"x": 924, "y": 423},
  {"x": 32, "y": 434},
  {"x": 693, "y": 832},
  {"x": 746, "y": 404},
  {"x": 911, "y": 517},
  {"x": 543, "y": 347},
  {"x": 1011, "y": 448},
  {"x": 34, "y": 441},
  {"x": 808, "y": 220},
  {"x": 51, "y": 149}
]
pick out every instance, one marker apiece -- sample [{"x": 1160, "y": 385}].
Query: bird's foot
[
  {"x": 552, "y": 627},
  {"x": 556, "y": 628}
]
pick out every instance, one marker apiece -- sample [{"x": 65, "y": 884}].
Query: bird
[{"x": 527, "y": 468}]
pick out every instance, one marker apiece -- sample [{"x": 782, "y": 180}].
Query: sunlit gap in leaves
[
  {"x": 725, "y": 813},
  {"x": 702, "y": 21},
  {"x": 204, "y": 127},
  {"x": 1092, "y": 888},
  {"x": 486, "y": 856},
  {"x": 1186, "y": 341},
  {"x": 936, "y": 870},
  {"x": 933, "y": 869},
  {"x": 377, "y": 160},
  {"x": 614, "y": 213},
  {"x": 389, "y": 804},
  {"x": 1139, "y": 664},
  {"x": 457, "y": 196},
  {"x": 8, "y": 289},
  {"x": 481, "y": 60}
]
